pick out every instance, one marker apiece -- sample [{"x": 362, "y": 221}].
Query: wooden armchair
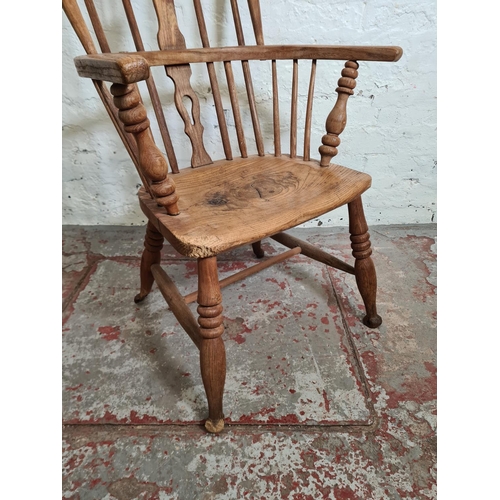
[{"x": 219, "y": 205}]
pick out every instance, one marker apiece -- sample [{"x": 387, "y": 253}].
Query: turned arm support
[
  {"x": 152, "y": 164},
  {"x": 133, "y": 67},
  {"x": 337, "y": 119}
]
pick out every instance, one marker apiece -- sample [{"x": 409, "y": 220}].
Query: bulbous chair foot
[{"x": 214, "y": 427}]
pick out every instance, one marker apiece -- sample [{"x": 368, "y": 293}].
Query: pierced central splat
[{"x": 170, "y": 37}]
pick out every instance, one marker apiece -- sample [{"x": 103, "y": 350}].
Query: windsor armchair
[{"x": 219, "y": 205}]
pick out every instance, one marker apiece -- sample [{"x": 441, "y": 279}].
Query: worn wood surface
[
  {"x": 212, "y": 351},
  {"x": 152, "y": 164},
  {"x": 153, "y": 92},
  {"x": 255, "y": 15},
  {"x": 248, "y": 78},
  {"x": 153, "y": 243},
  {"x": 119, "y": 68},
  {"x": 337, "y": 119},
  {"x": 214, "y": 83},
  {"x": 233, "y": 203},
  {"x": 364, "y": 269},
  {"x": 293, "y": 110},
  {"x": 170, "y": 37},
  {"x": 312, "y": 252},
  {"x": 276, "y": 111},
  {"x": 96, "y": 24},
  {"x": 307, "y": 126},
  {"x": 235, "y": 106},
  {"x": 176, "y": 304}
]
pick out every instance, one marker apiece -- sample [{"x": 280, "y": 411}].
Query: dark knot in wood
[{"x": 217, "y": 199}]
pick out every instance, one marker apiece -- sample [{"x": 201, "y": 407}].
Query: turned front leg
[
  {"x": 212, "y": 351},
  {"x": 153, "y": 243},
  {"x": 364, "y": 269}
]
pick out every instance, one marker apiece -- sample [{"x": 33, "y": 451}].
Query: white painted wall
[{"x": 391, "y": 131}]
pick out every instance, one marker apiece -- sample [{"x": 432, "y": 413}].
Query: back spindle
[
  {"x": 255, "y": 14},
  {"x": 248, "y": 79},
  {"x": 337, "y": 119},
  {"x": 153, "y": 92},
  {"x": 307, "y": 127},
  {"x": 74, "y": 15},
  {"x": 254, "y": 7},
  {"x": 213, "y": 82},
  {"x": 96, "y": 24},
  {"x": 276, "y": 111},
  {"x": 293, "y": 114}
]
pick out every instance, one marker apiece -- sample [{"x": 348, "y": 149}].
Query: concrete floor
[{"x": 317, "y": 405}]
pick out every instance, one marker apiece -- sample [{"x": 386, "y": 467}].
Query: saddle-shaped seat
[{"x": 229, "y": 204}]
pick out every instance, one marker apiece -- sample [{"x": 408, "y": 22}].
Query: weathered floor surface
[{"x": 317, "y": 405}]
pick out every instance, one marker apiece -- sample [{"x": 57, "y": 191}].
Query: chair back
[{"x": 187, "y": 101}]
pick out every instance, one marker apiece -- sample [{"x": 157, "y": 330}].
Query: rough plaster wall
[{"x": 391, "y": 131}]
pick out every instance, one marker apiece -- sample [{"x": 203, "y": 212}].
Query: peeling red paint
[
  {"x": 344, "y": 493},
  {"x": 371, "y": 364},
  {"x": 231, "y": 266},
  {"x": 327, "y": 402},
  {"x": 357, "y": 456},
  {"x": 109, "y": 332},
  {"x": 282, "y": 284},
  {"x": 191, "y": 269},
  {"x": 252, "y": 418},
  {"x": 417, "y": 389},
  {"x": 94, "y": 483},
  {"x": 74, "y": 388},
  {"x": 69, "y": 307},
  {"x": 134, "y": 418}
]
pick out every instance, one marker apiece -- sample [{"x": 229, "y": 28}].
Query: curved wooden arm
[{"x": 128, "y": 68}]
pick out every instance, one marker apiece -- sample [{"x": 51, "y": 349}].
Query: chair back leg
[
  {"x": 257, "y": 250},
  {"x": 364, "y": 269},
  {"x": 153, "y": 243}
]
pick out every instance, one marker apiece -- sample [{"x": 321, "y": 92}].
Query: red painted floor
[{"x": 317, "y": 404}]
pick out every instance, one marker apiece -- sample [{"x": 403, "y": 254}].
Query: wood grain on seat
[{"x": 230, "y": 203}]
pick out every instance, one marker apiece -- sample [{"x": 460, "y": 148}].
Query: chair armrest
[{"x": 132, "y": 67}]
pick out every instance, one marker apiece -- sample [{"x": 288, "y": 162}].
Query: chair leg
[
  {"x": 212, "y": 351},
  {"x": 257, "y": 250},
  {"x": 153, "y": 243},
  {"x": 364, "y": 269}
]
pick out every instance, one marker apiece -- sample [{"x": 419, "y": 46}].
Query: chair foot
[
  {"x": 257, "y": 250},
  {"x": 214, "y": 427},
  {"x": 140, "y": 297},
  {"x": 372, "y": 321},
  {"x": 153, "y": 243}
]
